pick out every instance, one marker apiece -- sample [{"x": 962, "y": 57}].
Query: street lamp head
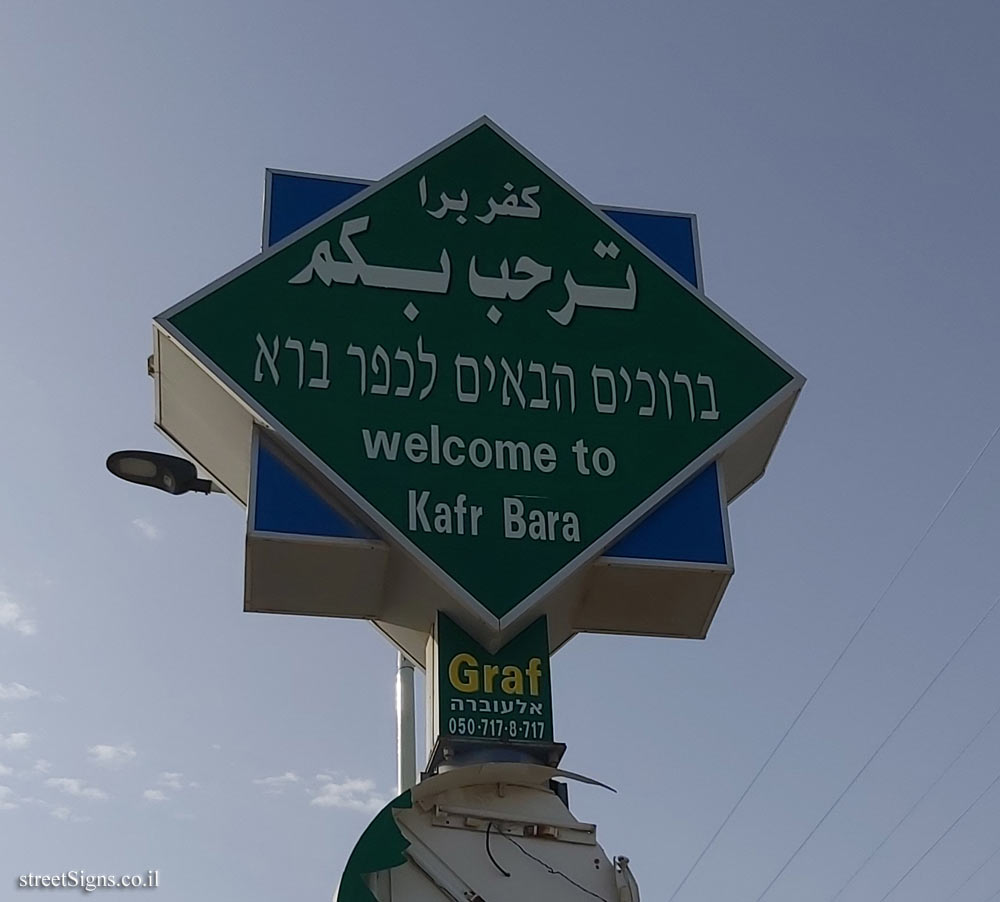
[{"x": 160, "y": 471}]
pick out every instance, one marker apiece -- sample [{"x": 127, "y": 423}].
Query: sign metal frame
[{"x": 345, "y": 568}]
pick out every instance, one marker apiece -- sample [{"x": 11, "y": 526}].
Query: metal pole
[{"x": 406, "y": 738}]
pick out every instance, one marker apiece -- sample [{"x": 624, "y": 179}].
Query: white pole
[{"x": 406, "y": 738}]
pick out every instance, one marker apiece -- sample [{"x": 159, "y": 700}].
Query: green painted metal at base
[{"x": 380, "y": 847}]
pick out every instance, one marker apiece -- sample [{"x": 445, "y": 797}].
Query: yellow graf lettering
[
  {"x": 464, "y": 673},
  {"x": 534, "y": 672},
  {"x": 513, "y": 680}
]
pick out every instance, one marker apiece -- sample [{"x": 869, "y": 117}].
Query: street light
[{"x": 160, "y": 471}]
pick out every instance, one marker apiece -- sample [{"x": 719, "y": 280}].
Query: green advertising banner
[{"x": 505, "y": 695}]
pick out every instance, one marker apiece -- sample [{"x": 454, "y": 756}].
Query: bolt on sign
[
  {"x": 505, "y": 695},
  {"x": 492, "y": 373}
]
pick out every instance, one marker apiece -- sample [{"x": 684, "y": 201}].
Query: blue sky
[{"x": 842, "y": 163}]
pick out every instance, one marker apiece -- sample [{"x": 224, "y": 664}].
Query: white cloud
[
  {"x": 171, "y": 780},
  {"x": 74, "y": 787},
  {"x": 12, "y": 616},
  {"x": 16, "y": 692},
  {"x": 276, "y": 785},
  {"x": 14, "y": 741},
  {"x": 5, "y": 771},
  {"x": 111, "y": 755},
  {"x": 149, "y": 530},
  {"x": 64, "y": 814},
  {"x": 42, "y": 766},
  {"x": 7, "y": 798},
  {"x": 355, "y": 795}
]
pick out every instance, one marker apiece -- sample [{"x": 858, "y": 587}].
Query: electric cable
[
  {"x": 835, "y": 664},
  {"x": 937, "y": 841},
  {"x": 489, "y": 851},
  {"x": 916, "y": 805},
  {"x": 881, "y": 746},
  {"x": 965, "y": 882},
  {"x": 553, "y": 870}
]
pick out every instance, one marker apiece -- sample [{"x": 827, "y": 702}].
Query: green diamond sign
[{"x": 492, "y": 374}]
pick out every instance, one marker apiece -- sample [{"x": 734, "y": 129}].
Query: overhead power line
[
  {"x": 937, "y": 841},
  {"x": 833, "y": 666},
  {"x": 881, "y": 746},
  {"x": 965, "y": 882},
  {"x": 916, "y": 805}
]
